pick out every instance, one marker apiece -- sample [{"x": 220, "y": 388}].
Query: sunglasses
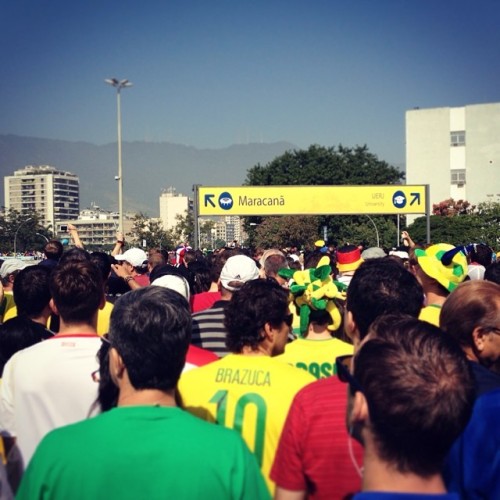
[{"x": 343, "y": 365}]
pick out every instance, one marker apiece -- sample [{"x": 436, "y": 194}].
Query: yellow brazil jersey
[
  {"x": 251, "y": 394},
  {"x": 103, "y": 316},
  {"x": 315, "y": 356},
  {"x": 431, "y": 314},
  {"x": 8, "y": 307}
]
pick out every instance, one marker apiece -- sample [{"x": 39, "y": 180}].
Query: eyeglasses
[
  {"x": 343, "y": 365},
  {"x": 493, "y": 329}
]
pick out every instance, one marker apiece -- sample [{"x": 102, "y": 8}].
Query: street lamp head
[{"x": 118, "y": 84}]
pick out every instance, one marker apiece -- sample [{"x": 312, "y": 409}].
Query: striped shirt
[{"x": 209, "y": 331}]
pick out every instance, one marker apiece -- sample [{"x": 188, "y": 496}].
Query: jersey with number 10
[{"x": 251, "y": 394}]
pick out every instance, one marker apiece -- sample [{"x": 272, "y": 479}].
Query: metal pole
[
  {"x": 376, "y": 230},
  {"x": 398, "y": 241},
  {"x": 196, "y": 235},
  {"x": 120, "y": 175},
  {"x": 428, "y": 212},
  {"x": 17, "y": 230},
  {"x": 118, "y": 85}
]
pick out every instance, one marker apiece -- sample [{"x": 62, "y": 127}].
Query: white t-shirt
[{"x": 48, "y": 385}]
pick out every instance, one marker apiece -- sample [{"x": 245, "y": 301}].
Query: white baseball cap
[
  {"x": 134, "y": 256},
  {"x": 238, "y": 268}
]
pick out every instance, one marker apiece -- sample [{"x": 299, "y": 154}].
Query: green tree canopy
[
  {"x": 289, "y": 230},
  {"x": 317, "y": 166},
  {"x": 23, "y": 231},
  {"x": 320, "y": 166},
  {"x": 482, "y": 225},
  {"x": 151, "y": 231}
]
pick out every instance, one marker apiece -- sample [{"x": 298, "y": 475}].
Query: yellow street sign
[{"x": 311, "y": 200}]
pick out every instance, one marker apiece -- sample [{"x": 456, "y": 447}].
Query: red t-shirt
[
  {"x": 204, "y": 300},
  {"x": 313, "y": 453},
  {"x": 196, "y": 356}
]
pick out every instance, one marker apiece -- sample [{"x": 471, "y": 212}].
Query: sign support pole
[{"x": 196, "y": 210}]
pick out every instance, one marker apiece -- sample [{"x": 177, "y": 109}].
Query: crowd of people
[{"x": 339, "y": 372}]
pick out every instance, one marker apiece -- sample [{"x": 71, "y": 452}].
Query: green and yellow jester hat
[{"x": 315, "y": 290}]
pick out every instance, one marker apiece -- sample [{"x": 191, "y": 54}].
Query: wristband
[{"x": 128, "y": 278}]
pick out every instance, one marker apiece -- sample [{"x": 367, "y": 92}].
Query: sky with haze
[{"x": 214, "y": 73}]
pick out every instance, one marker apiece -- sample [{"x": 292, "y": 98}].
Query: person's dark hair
[
  {"x": 382, "y": 286},
  {"x": 200, "y": 273},
  {"x": 256, "y": 303},
  {"x": 74, "y": 255},
  {"x": 107, "y": 393},
  {"x": 492, "y": 273},
  {"x": 419, "y": 389},
  {"x": 53, "y": 250},
  {"x": 151, "y": 330},
  {"x": 19, "y": 333},
  {"x": 77, "y": 290},
  {"x": 273, "y": 264},
  {"x": 31, "y": 291},
  {"x": 482, "y": 254},
  {"x": 312, "y": 259},
  {"x": 473, "y": 304},
  {"x": 166, "y": 270},
  {"x": 189, "y": 256},
  {"x": 156, "y": 259},
  {"x": 103, "y": 262},
  {"x": 217, "y": 262}
]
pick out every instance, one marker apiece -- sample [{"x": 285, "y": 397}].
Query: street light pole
[
  {"x": 118, "y": 85},
  {"x": 376, "y": 230},
  {"x": 17, "y": 230}
]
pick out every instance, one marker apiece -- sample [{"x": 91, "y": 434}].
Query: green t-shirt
[{"x": 142, "y": 452}]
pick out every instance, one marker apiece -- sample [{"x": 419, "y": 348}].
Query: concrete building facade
[
  {"x": 456, "y": 151},
  {"x": 96, "y": 227},
  {"x": 171, "y": 206},
  {"x": 54, "y": 194}
]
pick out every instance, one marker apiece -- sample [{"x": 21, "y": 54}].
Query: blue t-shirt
[{"x": 389, "y": 495}]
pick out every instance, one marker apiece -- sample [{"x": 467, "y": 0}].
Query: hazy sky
[{"x": 215, "y": 73}]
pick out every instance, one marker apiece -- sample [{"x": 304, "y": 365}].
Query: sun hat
[
  {"x": 431, "y": 262},
  {"x": 373, "y": 253},
  {"x": 173, "y": 282},
  {"x": 238, "y": 268},
  {"x": 314, "y": 290},
  {"x": 134, "y": 256},
  {"x": 10, "y": 266},
  {"x": 348, "y": 258},
  {"x": 476, "y": 271}
]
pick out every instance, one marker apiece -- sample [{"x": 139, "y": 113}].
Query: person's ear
[
  {"x": 350, "y": 327},
  {"x": 53, "y": 307},
  {"x": 116, "y": 365},
  {"x": 479, "y": 338},
  {"x": 359, "y": 412},
  {"x": 268, "y": 332}
]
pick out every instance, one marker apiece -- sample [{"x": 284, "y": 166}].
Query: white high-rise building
[
  {"x": 171, "y": 206},
  {"x": 54, "y": 194},
  {"x": 456, "y": 151}
]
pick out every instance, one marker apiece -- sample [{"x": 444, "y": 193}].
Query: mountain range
[{"x": 148, "y": 168}]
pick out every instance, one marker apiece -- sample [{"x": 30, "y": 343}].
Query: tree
[
  {"x": 480, "y": 226},
  {"x": 321, "y": 166},
  {"x": 23, "y": 231},
  {"x": 151, "y": 231},
  {"x": 289, "y": 230},
  {"x": 184, "y": 229},
  {"x": 329, "y": 166},
  {"x": 451, "y": 208}
]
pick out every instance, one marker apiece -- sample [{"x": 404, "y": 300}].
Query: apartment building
[
  {"x": 456, "y": 151},
  {"x": 53, "y": 193}
]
